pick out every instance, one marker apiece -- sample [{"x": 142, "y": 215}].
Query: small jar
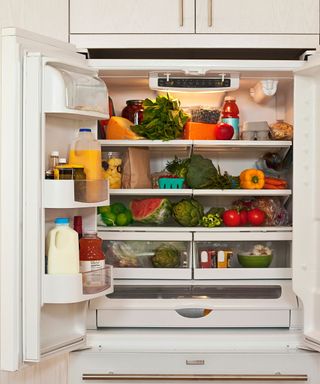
[
  {"x": 63, "y": 172},
  {"x": 112, "y": 168},
  {"x": 78, "y": 172},
  {"x": 133, "y": 111}
]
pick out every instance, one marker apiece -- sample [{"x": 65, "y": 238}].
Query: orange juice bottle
[{"x": 86, "y": 151}]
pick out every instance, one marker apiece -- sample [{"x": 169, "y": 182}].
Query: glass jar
[
  {"x": 78, "y": 172},
  {"x": 112, "y": 168},
  {"x": 133, "y": 111}
]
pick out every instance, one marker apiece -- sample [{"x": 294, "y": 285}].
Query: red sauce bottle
[{"x": 91, "y": 254}]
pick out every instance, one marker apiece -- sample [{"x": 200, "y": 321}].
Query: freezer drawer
[{"x": 286, "y": 367}]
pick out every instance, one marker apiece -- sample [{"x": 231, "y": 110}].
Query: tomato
[
  {"x": 243, "y": 217},
  {"x": 256, "y": 216},
  {"x": 231, "y": 218},
  {"x": 224, "y": 131}
]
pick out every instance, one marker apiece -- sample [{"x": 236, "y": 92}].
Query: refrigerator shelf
[
  {"x": 170, "y": 145},
  {"x": 200, "y": 192},
  {"x": 242, "y": 273},
  {"x": 75, "y": 193},
  {"x": 74, "y": 288}
]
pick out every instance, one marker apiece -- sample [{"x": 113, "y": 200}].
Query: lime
[
  {"x": 129, "y": 216},
  {"x": 105, "y": 209},
  {"x": 117, "y": 208},
  {"x": 108, "y": 218},
  {"x": 122, "y": 219}
]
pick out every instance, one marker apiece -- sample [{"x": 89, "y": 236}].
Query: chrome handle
[
  {"x": 210, "y": 10},
  {"x": 136, "y": 377},
  {"x": 181, "y": 13}
]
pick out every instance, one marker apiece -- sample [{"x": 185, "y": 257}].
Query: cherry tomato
[
  {"x": 243, "y": 217},
  {"x": 256, "y": 216},
  {"x": 231, "y": 218}
]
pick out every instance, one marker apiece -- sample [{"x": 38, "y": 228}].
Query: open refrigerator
[{"x": 49, "y": 91}]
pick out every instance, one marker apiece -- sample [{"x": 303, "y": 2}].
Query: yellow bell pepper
[{"x": 251, "y": 179}]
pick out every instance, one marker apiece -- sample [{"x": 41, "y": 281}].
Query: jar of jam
[{"x": 133, "y": 111}]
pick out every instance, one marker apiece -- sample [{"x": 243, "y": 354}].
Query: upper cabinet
[
  {"x": 139, "y": 16},
  {"x": 257, "y": 16},
  {"x": 194, "y": 24}
]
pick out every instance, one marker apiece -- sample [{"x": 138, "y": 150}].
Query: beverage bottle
[
  {"x": 62, "y": 248},
  {"x": 230, "y": 115},
  {"x": 53, "y": 162},
  {"x": 91, "y": 254},
  {"x": 86, "y": 150}
]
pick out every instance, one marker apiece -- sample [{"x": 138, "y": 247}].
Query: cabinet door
[
  {"x": 257, "y": 16},
  {"x": 139, "y": 16}
]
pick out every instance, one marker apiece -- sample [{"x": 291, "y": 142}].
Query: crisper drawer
[
  {"x": 247, "y": 255},
  {"x": 149, "y": 255},
  {"x": 224, "y": 367}
]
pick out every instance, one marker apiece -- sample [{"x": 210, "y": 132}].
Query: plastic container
[
  {"x": 255, "y": 130},
  {"x": 112, "y": 168},
  {"x": 230, "y": 115},
  {"x": 86, "y": 151},
  {"x": 171, "y": 182},
  {"x": 133, "y": 111},
  {"x": 62, "y": 248},
  {"x": 203, "y": 114}
]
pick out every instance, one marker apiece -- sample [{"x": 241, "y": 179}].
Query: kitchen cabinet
[
  {"x": 257, "y": 16},
  {"x": 194, "y": 24},
  {"x": 140, "y": 16}
]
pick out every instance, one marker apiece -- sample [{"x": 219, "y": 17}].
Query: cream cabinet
[
  {"x": 139, "y": 16},
  {"x": 257, "y": 16}
]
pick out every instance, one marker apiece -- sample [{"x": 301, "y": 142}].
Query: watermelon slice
[{"x": 151, "y": 211}]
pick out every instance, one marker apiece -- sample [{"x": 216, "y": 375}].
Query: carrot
[
  {"x": 272, "y": 186},
  {"x": 275, "y": 181}
]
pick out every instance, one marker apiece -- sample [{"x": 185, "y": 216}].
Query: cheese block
[
  {"x": 199, "y": 131},
  {"x": 119, "y": 128}
]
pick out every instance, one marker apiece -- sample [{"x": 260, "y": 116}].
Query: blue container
[{"x": 171, "y": 183}]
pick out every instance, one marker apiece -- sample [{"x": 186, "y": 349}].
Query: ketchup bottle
[{"x": 230, "y": 115}]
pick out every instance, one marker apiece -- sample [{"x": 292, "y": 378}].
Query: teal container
[{"x": 170, "y": 183}]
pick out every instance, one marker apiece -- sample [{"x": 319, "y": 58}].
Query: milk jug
[{"x": 62, "y": 248}]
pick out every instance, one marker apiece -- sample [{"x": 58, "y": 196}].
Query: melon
[
  {"x": 151, "y": 211},
  {"x": 119, "y": 128}
]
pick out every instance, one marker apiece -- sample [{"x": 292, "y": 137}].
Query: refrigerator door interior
[
  {"x": 36, "y": 320},
  {"x": 306, "y": 199}
]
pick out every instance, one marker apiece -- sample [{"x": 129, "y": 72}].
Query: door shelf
[
  {"x": 77, "y": 114},
  {"x": 242, "y": 273},
  {"x": 74, "y": 288},
  {"x": 75, "y": 193}
]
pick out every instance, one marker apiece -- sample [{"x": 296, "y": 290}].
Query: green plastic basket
[{"x": 171, "y": 183}]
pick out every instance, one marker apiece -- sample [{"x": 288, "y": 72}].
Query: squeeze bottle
[
  {"x": 86, "y": 151},
  {"x": 230, "y": 115},
  {"x": 62, "y": 248}
]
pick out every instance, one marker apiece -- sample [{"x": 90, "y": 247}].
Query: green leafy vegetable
[
  {"x": 178, "y": 167},
  {"x": 163, "y": 119}
]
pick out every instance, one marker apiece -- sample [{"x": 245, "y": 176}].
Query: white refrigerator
[{"x": 49, "y": 91}]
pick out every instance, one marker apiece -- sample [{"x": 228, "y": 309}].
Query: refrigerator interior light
[
  {"x": 195, "y": 81},
  {"x": 264, "y": 90}
]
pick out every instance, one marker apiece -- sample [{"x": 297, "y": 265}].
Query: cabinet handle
[
  {"x": 165, "y": 377},
  {"x": 181, "y": 13},
  {"x": 210, "y": 10}
]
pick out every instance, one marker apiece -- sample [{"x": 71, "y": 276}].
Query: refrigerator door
[
  {"x": 306, "y": 197},
  {"x": 31, "y": 327}
]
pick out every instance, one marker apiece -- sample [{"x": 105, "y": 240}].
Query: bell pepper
[{"x": 251, "y": 179}]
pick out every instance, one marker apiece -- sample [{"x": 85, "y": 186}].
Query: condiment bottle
[
  {"x": 133, "y": 111},
  {"x": 62, "y": 248},
  {"x": 91, "y": 254},
  {"x": 230, "y": 115},
  {"x": 53, "y": 162},
  {"x": 77, "y": 225}
]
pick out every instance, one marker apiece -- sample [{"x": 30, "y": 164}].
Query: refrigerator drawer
[{"x": 194, "y": 318}]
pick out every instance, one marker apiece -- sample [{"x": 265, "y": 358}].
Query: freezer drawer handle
[{"x": 136, "y": 377}]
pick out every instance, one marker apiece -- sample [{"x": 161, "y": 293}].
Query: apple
[{"x": 224, "y": 131}]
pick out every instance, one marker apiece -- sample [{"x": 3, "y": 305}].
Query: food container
[
  {"x": 248, "y": 260},
  {"x": 133, "y": 111},
  {"x": 255, "y": 130},
  {"x": 281, "y": 130},
  {"x": 171, "y": 182},
  {"x": 112, "y": 168},
  {"x": 203, "y": 114},
  {"x": 69, "y": 172}
]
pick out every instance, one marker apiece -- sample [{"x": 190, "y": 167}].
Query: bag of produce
[{"x": 151, "y": 211}]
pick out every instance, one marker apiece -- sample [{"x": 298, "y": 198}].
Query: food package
[
  {"x": 276, "y": 213},
  {"x": 136, "y": 168},
  {"x": 199, "y": 131},
  {"x": 203, "y": 114},
  {"x": 281, "y": 131}
]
